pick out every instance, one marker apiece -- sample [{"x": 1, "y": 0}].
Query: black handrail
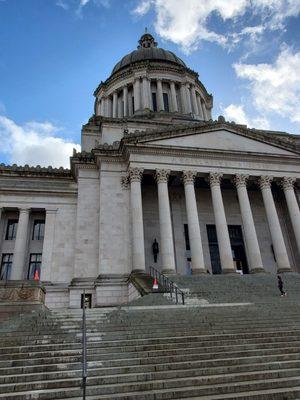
[
  {"x": 168, "y": 285},
  {"x": 84, "y": 350}
]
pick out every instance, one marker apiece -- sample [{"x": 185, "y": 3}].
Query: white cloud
[
  {"x": 63, "y": 4},
  {"x": 34, "y": 143},
  {"x": 237, "y": 114},
  {"x": 186, "y": 22},
  {"x": 275, "y": 87}
]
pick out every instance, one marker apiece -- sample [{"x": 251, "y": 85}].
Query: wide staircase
[{"x": 219, "y": 350}]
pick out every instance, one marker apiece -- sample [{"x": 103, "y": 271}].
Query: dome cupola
[{"x": 152, "y": 80}]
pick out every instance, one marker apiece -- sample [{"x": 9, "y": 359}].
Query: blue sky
[{"x": 54, "y": 53}]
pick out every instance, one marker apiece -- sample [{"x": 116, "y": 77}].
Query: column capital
[
  {"x": 162, "y": 175},
  {"x": 135, "y": 174},
  {"x": 240, "y": 180},
  {"x": 215, "y": 178},
  {"x": 287, "y": 183},
  {"x": 24, "y": 210},
  {"x": 188, "y": 177},
  {"x": 265, "y": 181}
]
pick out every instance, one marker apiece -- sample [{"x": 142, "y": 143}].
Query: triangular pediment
[{"x": 221, "y": 140}]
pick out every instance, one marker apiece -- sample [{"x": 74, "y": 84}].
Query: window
[
  {"x": 6, "y": 265},
  {"x": 154, "y": 102},
  {"x": 38, "y": 229},
  {"x": 166, "y": 101},
  {"x": 35, "y": 263},
  {"x": 133, "y": 110},
  {"x": 11, "y": 230}
]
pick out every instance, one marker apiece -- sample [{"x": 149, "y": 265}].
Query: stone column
[
  {"x": 198, "y": 265},
  {"x": 200, "y": 107},
  {"x": 204, "y": 111},
  {"x": 159, "y": 93},
  {"x": 221, "y": 224},
  {"x": 292, "y": 204},
  {"x": 137, "y": 95},
  {"x": 115, "y": 105},
  {"x": 109, "y": 107},
  {"x": 174, "y": 104},
  {"x": 194, "y": 100},
  {"x": 146, "y": 104},
  {"x": 188, "y": 98},
  {"x": 125, "y": 101},
  {"x": 130, "y": 105},
  {"x": 253, "y": 251},
  {"x": 165, "y": 222},
  {"x": 283, "y": 264},
  {"x": 18, "y": 266},
  {"x": 138, "y": 245},
  {"x": 102, "y": 111},
  {"x": 48, "y": 245},
  {"x": 183, "y": 98}
]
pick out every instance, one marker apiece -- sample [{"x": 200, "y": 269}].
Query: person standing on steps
[{"x": 280, "y": 286}]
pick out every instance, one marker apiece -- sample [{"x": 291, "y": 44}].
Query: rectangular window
[
  {"x": 166, "y": 101},
  {"x": 38, "y": 229},
  {"x": 35, "y": 263},
  {"x": 154, "y": 102},
  {"x": 6, "y": 265},
  {"x": 186, "y": 236},
  {"x": 11, "y": 229}
]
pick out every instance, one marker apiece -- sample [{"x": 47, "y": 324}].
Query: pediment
[{"x": 221, "y": 140}]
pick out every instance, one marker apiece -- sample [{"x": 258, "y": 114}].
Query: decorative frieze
[
  {"x": 215, "y": 178},
  {"x": 265, "y": 181},
  {"x": 240, "y": 180},
  {"x": 162, "y": 175},
  {"x": 135, "y": 174},
  {"x": 287, "y": 183},
  {"x": 188, "y": 177}
]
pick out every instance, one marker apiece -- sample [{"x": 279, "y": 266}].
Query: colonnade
[
  {"x": 226, "y": 258},
  {"x": 183, "y": 97},
  {"x": 20, "y": 251}
]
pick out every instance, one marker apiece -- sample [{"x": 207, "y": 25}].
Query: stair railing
[
  {"x": 168, "y": 285},
  {"x": 84, "y": 350}
]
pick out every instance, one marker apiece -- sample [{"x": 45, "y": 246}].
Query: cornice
[
  {"x": 37, "y": 171},
  {"x": 290, "y": 143}
]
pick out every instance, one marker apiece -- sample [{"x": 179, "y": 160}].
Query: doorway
[{"x": 237, "y": 247}]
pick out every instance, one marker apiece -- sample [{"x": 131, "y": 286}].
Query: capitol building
[{"x": 157, "y": 183}]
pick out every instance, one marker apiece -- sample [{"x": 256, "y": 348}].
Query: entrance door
[{"x": 237, "y": 247}]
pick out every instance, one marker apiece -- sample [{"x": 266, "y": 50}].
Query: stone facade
[{"x": 217, "y": 196}]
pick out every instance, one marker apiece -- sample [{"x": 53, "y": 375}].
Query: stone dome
[{"x": 148, "y": 51}]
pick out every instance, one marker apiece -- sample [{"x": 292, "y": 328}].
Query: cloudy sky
[{"x": 54, "y": 53}]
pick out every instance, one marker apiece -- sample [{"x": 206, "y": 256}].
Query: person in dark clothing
[
  {"x": 280, "y": 286},
  {"x": 155, "y": 250}
]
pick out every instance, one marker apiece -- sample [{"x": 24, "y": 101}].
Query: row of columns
[
  {"x": 118, "y": 105},
  {"x": 250, "y": 236},
  {"x": 18, "y": 271}
]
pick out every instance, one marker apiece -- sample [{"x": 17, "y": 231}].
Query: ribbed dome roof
[{"x": 148, "y": 51}]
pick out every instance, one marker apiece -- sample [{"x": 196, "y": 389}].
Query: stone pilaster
[
  {"x": 283, "y": 264},
  {"x": 137, "y": 95},
  {"x": 146, "y": 99},
  {"x": 292, "y": 204},
  {"x": 18, "y": 266},
  {"x": 251, "y": 242},
  {"x": 125, "y": 101},
  {"x": 159, "y": 94},
  {"x": 194, "y": 100},
  {"x": 221, "y": 223},
  {"x": 165, "y": 222},
  {"x": 188, "y": 98},
  {"x": 173, "y": 97},
  {"x": 198, "y": 265},
  {"x": 138, "y": 245},
  {"x": 115, "y": 105}
]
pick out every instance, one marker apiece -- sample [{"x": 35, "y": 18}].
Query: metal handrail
[
  {"x": 84, "y": 350},
  {"x": 168, "y": 285}
]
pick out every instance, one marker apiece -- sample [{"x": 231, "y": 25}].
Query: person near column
[{"x": 280, "y": 286}]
